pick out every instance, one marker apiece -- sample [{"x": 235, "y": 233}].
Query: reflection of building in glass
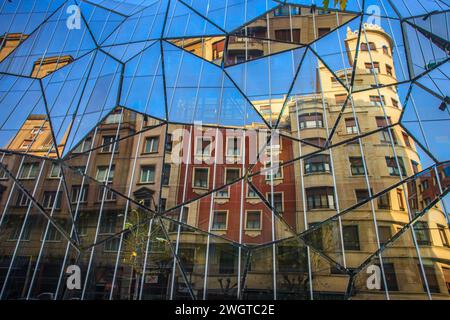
[
  {"x": 35, "y": 137},
  {"x": 134, "y": 155},
  {"x": 9, "y": 42},
  {"x": 336, "y": 177}
]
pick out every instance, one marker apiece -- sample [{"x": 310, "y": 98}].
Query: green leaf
[{"x": 343, "y": 4}]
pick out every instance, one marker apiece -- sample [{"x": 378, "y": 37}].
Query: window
[
  {"x": 109, "y": 142},
  {"x": 364, "y": 46},
  {"x": 102, "y": 173},
  {"x": 372, "y": 68},
  {"x": 376, "y": 101},
  {"x": 84, "y": 146},
  {"x": 234, "y": 146},
  {"x": 55, "y": 171},
  {"x": 317, "y": 163},
  {"x": 16, "y": 225},
  {"x": 415, "y": 166},
  {"x": 203, "y": 146},
  {"x": 446, "y": 272},
  {"x": 422, "y": 232},
  {"x": 217, "y": 49},
  {"x": 169, "y": 142},
  {"x": 334, "y": 81},
  {"x": 108, "y": 223},
  {"x": 166, "y": 174},
  {"x": 424, "y": 185},
  {"x": 75, "y": 194},
  {"x": 406, "y": 139},
  {"x": 226, "y": 262},
  {"x": 320, "y": 197},
  {"x": 265, "y": 110},
  {"x": 350, "y": 125},
  {"x": 163, "y": 204},
  {"x": 389, "y": 70},
  {"x": 392, "y": 166},
  {"x": 401, "y": 204},
  {"x": 52, "y": 234},
  {"x": 49, "y": 199},
  {"x": 288, "y": 35},
  {"x": 277, "y": 201},
  {"x": 323, "y": 31},
  {"x": 175, "y": 215},
  {"x": 36, "y": 130},
  {"x": 253, "y": 220},
  {"x": 384, "y": 134},
  {"x": 390, "y": 277},
  {"x": 351, "y": 237},
  {"x": 443, "y": 235},
  {"x": 340, "y": 99},
  {"x": 29, "y": 170},
  {"x": 372, "y": 46},
  {"x": 356, "y": 166},
  {"x": 106, "y": 194},
  {"x": 111, "y": 245},
  {"x": 22, "y": 199},
  {"x": 79, "y": 170},
  {"x": 394, "y": 103},
  {"x": 310, "y": 120},
  {"x": 151, "y": 144},
  {"x": 26, "y": 144},
  {"x": 384, "y": 201},
  {"x": 231, "y": 174},
  {"x": 82, "y": 224},
  {"x": 274, "y": 171},
  {"x": 361, "y": 195},
  {"x": 201, "y": 177},
  {"x": 219, "y": 220},
  {"x": 430, "y": 275},
  {"x": 384, "y": 233},
  {"x": 3, "y": 174},
  {"x": 273, "y": 146},
  {"x": 251, "y": 193},
  {"x": 320, "y": 142},
  {"x": 147, "y": 174},
  {"x": 386, "y": 50},
  {"x": 286, "y": 11},
  {"x": 114, "y": 117}
]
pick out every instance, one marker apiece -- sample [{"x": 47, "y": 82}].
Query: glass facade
[{"x": 248, "y": 149}]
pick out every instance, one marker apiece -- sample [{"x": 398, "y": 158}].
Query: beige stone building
[
  {"x": 334, "y": 180},
  {"x": 9, "y": 42}
]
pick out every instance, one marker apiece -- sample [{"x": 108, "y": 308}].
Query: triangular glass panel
[
  {"x": 206, "y": 95},
  {"x": 423, "y": 118},
  {"x": 424, "y": 53},
  {"x": 101, "y": 22},
  {"x": 145, "y": 24},
  {"x": 267, "y": 80},
  {"x": 143, "y": 84},
  {"x": 20, "y": 19},
  {"x": 125, "y": 52},
  {"x": 182, "y": 21}
]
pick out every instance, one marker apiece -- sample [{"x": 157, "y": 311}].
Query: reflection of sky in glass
[{"x": 133, "y": 54}]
